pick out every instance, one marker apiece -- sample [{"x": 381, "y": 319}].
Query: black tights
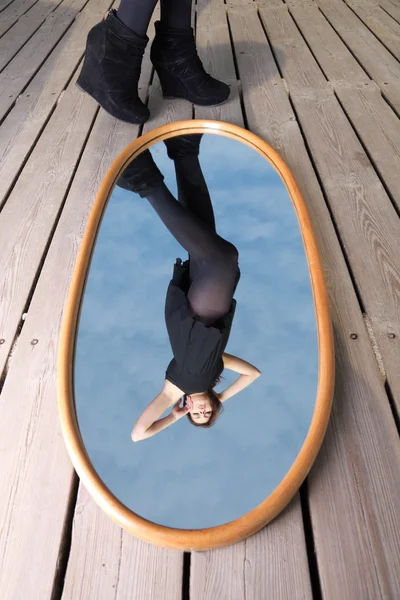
[
  {"x": 213, "y": 260},
  {"x": 136, "y": 14}
]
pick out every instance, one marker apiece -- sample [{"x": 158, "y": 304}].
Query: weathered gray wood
[
  {"x": 5, "y": 3},
  {"x": 368, "y": 223},
  {"x": 24, "y": 65},
  {"x": 379, "y": 22},
  {"x": 362, "y": 442},
  {"x": 377, "y": 125},
  {"x": 270, "y": 564},
  {"x": 393, "y": 9},
  {"x": 29, "y": 475},
  {"x": 214, "y": 48},
  {"x": 16, "y": 37},
  {"x": 11, "y": 14},
  {"x": 105, "y": 562},
  {"x": 252, "y": 568},
  {"x": 22, "y": 126},
  {"x": 373, "y": 56}
]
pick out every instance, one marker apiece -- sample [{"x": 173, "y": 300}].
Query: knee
[{"x": 232, "y": 254}]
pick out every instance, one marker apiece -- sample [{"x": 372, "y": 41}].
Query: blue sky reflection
[{"x": 189, "y": 477}]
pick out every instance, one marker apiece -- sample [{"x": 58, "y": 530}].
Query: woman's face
[{"x": 202, "y": 407}]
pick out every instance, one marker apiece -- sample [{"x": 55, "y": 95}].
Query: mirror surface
[{"x": 184, "y": 476}]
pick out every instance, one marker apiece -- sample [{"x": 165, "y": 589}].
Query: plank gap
[
  {"x": 32, "y": 34},
  {"x": 186, "y": 576},
  {"x": 40, "y": 65},
  {"x": 277, "y": 65},
  {"x": 57, "y": 218},
  {"x": 236, "y": 67},
  {"x": 34, "y": 143},
  {"x": 325, "y": 196},
  {"x": 382, "y": 7},
  {"x": 66, "y": 540},
  {"x": 344, "y": 43},
  {"x": 389, "y": 103},
  {"x": 310, "y": 546},
  {"x": 365, "y": 24},
  {"x": 392, "y": 404},
  {"x": 307, "y": 44},
  {"x": 370, "y": 157}
]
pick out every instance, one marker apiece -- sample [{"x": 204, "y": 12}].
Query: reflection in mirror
[{"x": 196, "y": 361}]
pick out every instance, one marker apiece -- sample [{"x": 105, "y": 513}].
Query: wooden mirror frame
[{"x": 253, "y": 521}]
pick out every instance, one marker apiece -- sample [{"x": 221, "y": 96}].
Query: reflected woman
[{"x": 199, "y": 307}]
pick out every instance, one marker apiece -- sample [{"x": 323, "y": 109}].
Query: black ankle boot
[
  {"x": 141, "y": 175},
  {"x": 180, "y": 70},
  {"x": 111, "y": 69}
]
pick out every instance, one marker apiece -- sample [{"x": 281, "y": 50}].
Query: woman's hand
[{"x": 178, "y": 411}]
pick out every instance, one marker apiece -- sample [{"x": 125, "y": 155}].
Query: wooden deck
[{"x": 319, "y": 81}]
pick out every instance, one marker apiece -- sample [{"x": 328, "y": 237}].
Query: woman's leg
[
  {"x": 213, "y": 260},
  {"x": 136, "y": 14},
  {"x": 176, "y": 14}
]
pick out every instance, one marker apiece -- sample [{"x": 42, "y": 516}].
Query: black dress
[{"x": 197, "y": 347}]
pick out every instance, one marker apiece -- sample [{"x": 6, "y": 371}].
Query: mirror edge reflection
[{"x": 266, "y": 511}]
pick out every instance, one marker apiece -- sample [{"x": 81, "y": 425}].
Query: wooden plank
[
  {"x": 379, "y": 22},
  {"x": 251, "y": 568},
  {"x": 29, "y": 419},
  {"x": 269, "y": 564},
  {"x": 379, "y": 64},
  {"x": 26, "y": 26},
  {"x": 392, "y": 9},
  {"x": 18, "y": 73},
  {"x": 22, "y": 126},
  {"x": 376, "y": 124},
  {"x": 368, "y": 223},
  {"x": 215, "y": 50},
  {"x": 5, "y": 3},
  {"x": 11, "y": 14},
  {"x": 105, "y": 562},
  {"x": 357, "y": 473}
]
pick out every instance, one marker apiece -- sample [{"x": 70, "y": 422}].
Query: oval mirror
[{"x": 198, "y": 287}]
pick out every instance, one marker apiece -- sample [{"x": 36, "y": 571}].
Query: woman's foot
[
  {"x": 180, "y": 70},
  {"x": 111, "y": 69},
  {"x": 141, "y": 175}
]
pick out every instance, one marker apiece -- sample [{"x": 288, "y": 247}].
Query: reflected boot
[
  {"x": 181, "y": 146},
  {"x": 141, "y": 175},
  {"x": 180, "y": 70},
  {"x": 111, "y": 69}
]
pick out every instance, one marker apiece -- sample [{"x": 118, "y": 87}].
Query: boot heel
[
  {"x": 171, "y": 86},
  {"x": 85, "y": 79}
]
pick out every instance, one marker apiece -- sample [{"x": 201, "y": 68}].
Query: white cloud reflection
[{"x": 184, "y": 476}]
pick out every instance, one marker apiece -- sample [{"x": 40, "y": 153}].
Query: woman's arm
[
  {"x": 155, "y": 409},
  {"x": 248, "y": 374}
]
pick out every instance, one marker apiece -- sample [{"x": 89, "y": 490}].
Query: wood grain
[
  {"x": 106, "y": 562},
  {"x": 215, "y": 50},
  {"x": 270, "y": 564},
  {"x": 376, "y": 123},
  {"x": 18, "y": 73},
  {"x": 378, "y": 63},
  {"x": 357, "y": 472},
  {"x": 22, "y": 127},
  {"x": 15, "y": 38},
  {"x": 11, "y": 14},
  {"x": 379, "y": 22},
  {"x": 393, "y": 9}
]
